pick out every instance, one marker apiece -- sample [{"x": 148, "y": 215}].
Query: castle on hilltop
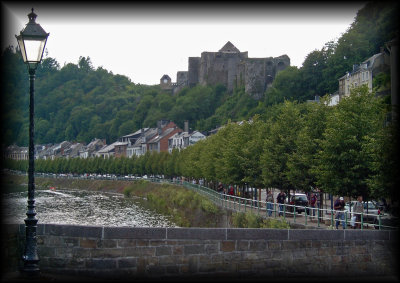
[{"x": 231, "y": 68}]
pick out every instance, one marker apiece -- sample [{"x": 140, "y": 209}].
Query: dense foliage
[
  {"x": 344, "y": 150},
  {"x": 76, "y": 102}
]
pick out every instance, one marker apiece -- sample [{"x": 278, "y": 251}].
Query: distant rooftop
[{"x": 229, "y": 47}]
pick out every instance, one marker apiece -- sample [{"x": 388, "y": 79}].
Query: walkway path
[{"x": 299, "y": 220}]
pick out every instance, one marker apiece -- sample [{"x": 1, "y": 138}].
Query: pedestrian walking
[
  {"x": 270, "y": 202},
  {"x": 280, "y": 199},
  {"x": 357, "y": 211},
  {"x": 312, "y": 202},
  {"x": 339, "y": 212}
]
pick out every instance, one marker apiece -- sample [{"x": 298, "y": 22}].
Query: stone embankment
[{"x": 141, "y": 253}]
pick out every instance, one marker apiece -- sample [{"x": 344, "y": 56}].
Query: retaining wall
[{"x": 127, "y": 253}]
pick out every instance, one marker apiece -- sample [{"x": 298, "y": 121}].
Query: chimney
[
  {"x": 159, "y": 129},
  {"x": 143, "y": 135},
  {"x": 186, "y": 126}
]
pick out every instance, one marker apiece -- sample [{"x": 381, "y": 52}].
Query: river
[{"x": 82, "y": 208}]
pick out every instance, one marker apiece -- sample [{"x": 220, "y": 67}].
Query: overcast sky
[{"x": 144, "y": 42}]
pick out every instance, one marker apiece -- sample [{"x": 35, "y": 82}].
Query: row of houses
[{"x": 165, "y": 138}]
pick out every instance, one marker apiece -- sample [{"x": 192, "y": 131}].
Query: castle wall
[
  {"x": 193, "y": 72},
  {"x": 181, "y": 81},
  {"x": 232, "y": 68},
  {"x": 182, "y": 78},
  {"x": 220, "y": 68},
  {"x": 255, "y": 77}
]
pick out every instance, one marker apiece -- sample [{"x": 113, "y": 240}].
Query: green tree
[
  {"x": 286, "y": 86},
  {"x": 280, "y": 143},
  {"x": 343, "y": 163},
  {"x": 307, "y": 144}
]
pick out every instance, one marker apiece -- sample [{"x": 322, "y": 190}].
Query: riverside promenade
[{"x": 323, "y": 218}]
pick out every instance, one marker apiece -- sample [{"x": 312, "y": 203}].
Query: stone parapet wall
[{"x": 126, "y": 253}]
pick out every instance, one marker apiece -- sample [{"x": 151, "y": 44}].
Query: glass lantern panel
[
  {"x": 22, "y": 47},
  {"x": 34, "y": 50}
]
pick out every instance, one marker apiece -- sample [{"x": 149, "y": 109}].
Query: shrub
[{"x": 251, "y": 220}]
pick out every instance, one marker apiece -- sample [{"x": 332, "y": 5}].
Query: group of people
[
  {"x": 358, "y": 209},
  {"x": 280, "y": 199},
  {"x": 339, "y": 206}
]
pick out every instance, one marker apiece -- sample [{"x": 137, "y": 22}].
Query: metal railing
[{"x": 315, "y": 217}]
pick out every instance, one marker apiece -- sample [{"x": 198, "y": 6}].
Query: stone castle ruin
[{"x": 231, "y": 68}]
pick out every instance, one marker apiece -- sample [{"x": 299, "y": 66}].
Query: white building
[
  {"x": 183, "y": 140},
  {"x": 364, "y": 73}
]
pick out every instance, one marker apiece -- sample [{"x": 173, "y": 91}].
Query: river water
[{"x": 82, "y": 208}]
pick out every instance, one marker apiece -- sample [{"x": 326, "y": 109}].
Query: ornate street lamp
[{"x": 32, "y": 41}]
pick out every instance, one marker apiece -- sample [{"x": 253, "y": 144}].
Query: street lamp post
[{"x": 32, "y": 41}]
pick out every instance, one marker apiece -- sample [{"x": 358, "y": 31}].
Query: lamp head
[{"x": 32, "y": 41}]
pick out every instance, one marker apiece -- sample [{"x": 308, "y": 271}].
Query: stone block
[
  {"x": 211, "y": 248},
  {"x": 255, "y": 233},
  {"x": 71, "y": 242},
  {"x": 88, "y": 243},
  {"x": 80, "y": 253},
  {"x": 107, "y": 253},
  {"x": 167, "y": 260},
  {"x": 139, "y": 251},
  {"x": 163, "y": 250},
  {"x": 134, "y": 233},
  {"x": 274, "y": 245},
  {"x": 57, "y": 262},
  {"x": 311, "y": 234},
  {"x": 157, "y": 242},
  {"x": 107, "y": 243},
  {"x": 46, "y": 251},
  {"x": 101, "y": 263},
  {"x": 367, "y": 235},
  {"x": 193, "y": 249},
  {"x": 291, "y": 245},
  {"x": 257, "y": 245},
  {"x": 227, "y": 246},
  {"x": 73, "y": 230},
  {"x": 242, "y": 245},
  {"x": 216, "y": 258},
  {"x": 127, "y": 262},
  {"x": 64, "y": 252},
  {"x": 177, "y": 250},
  {"x": 196, "y": 233}
]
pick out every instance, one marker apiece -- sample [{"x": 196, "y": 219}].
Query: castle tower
[
  {"x": 221, "y": 67},
  {"x": 165, "y": 82}
]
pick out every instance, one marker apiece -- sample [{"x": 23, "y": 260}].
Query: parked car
[
  {"x": 371, "y": 210},
  {"x": 300, "y": 201}
]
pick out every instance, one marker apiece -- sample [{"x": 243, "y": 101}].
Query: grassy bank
[{"x": 187, "y": 208}]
